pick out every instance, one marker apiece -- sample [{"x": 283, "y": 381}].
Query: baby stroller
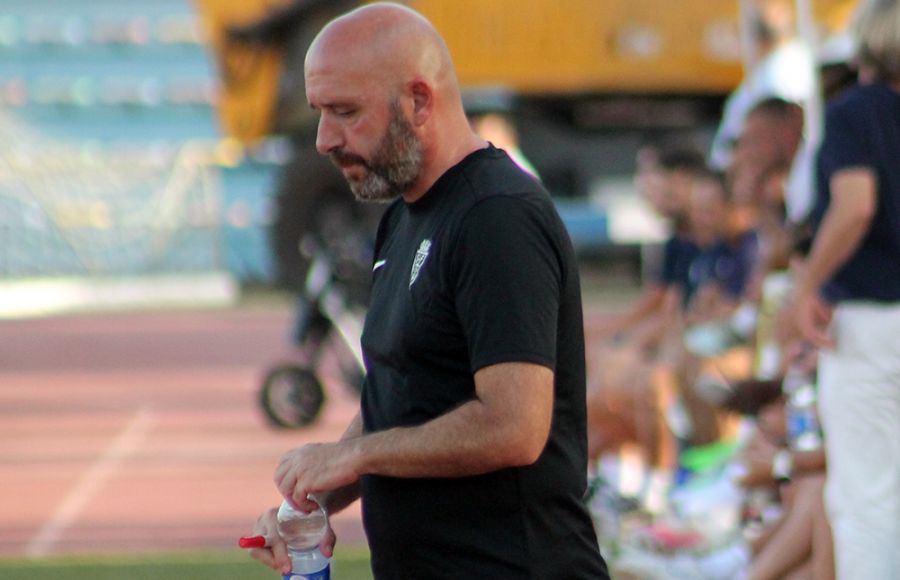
[{"x": 330, "y": 312}]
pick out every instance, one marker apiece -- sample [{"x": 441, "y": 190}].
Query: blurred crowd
[{"x": 706, "y": 392}]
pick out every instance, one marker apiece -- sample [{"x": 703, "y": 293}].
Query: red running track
[{"x": 141, "y": 432}]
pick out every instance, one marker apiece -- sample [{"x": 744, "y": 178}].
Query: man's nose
[{"x": 328, "y": 137}]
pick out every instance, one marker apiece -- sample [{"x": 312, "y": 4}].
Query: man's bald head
[
  {"x": 393, "y": 44},
  {"x": 391, "y": 114}
]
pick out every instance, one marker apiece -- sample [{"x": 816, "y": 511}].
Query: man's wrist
[
  {"x": 357, "y": 450},
  {"x": 806, "y": 288}
]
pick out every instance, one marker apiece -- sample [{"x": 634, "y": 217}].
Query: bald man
[{"x": 469, "y": 451}]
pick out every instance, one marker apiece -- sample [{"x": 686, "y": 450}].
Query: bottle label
[
  {"x": 798, "y": 424},
  {"x": 323, "y": 574},
  {"x": 803, "y": 432}
]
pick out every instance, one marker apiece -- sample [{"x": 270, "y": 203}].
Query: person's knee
[{"x": 808, "y": 493}]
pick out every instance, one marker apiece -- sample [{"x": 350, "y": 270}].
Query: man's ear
[{"x": 423, "y": 100}]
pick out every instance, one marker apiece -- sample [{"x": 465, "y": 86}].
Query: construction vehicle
[{"x": 586, "y": 81}]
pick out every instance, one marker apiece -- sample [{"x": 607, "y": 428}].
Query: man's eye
[{"x": 344, "y": 113}]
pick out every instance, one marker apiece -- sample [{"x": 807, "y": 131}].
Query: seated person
[
  {"x": 796, "y": 543},
  {"x": 621, "y": 407},
  {"x": 718, "y": 274},
  {"x": 665, "y": 180},
  {"x": 632, "y": 381},
  {"x": 712, "y": 289}
]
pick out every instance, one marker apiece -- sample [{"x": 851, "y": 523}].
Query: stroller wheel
[{"x": 291, "y": 397}]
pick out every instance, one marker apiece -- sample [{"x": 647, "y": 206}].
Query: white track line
[{"x": 90, "y": 483}]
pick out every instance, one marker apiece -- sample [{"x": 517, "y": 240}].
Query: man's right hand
[{"x": 275, "y": 554}]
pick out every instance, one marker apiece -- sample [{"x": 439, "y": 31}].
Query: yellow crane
[{"x": 553, "y": 48}]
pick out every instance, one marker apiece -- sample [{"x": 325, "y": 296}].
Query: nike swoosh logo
[{"x": 379, "y": 264}]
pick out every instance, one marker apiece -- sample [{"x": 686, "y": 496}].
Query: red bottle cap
[{"x": 252, "y": 542}]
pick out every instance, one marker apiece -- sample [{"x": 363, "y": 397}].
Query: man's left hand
[
  {"x": 812, "y": 316},
  {"x": 315, "y": 468}
]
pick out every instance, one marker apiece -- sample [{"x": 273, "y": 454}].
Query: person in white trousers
[{"x": 847, "y": 302}]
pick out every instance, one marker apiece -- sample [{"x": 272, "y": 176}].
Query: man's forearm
[
  {"x": 835, "y": 243},
  {"x": 649, "y": 303},
  {"x": 461, "y": 443},
  {"x": 339, "y": 499},
  {"x": 505, "y": 425},
  {"x": 843, "y": 228}
]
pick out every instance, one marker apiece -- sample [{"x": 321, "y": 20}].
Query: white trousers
[{"x": 859, "y": 404}]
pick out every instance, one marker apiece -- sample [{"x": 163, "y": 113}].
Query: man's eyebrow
[{"x": 333, "y": 105}]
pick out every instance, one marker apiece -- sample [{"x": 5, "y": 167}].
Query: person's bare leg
[
  {"x": 802, "y": 572},
  {"x": 792, "y": 543},
  {"x": 758, "y": 542},
  {"x": 823, "y": 544},
  {"x": 704, "y": 416},
  {"x": 663, "y": 392}
]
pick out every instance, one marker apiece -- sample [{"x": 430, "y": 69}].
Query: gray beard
[{"x": 395, "y": 166}]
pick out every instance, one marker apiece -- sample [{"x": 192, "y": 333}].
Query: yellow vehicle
[
  {"x": 586, "y": 81},
  {"x": 533, "y": 48},
  {"x": 546, "y": 48}
]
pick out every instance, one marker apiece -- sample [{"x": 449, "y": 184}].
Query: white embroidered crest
[{"x": 421, "y": 256}]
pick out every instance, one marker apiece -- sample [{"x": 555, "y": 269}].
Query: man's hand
[
  {"x": 275, "y": 554},
  {"x": 315, "y": 468},
  {"x": 757, "y": 459},
  {"x": 812, "y": 315}
]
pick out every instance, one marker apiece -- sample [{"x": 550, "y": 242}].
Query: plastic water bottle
[
  {"x": 804, "y": 433},
  {"x": 303, "y": 533}
]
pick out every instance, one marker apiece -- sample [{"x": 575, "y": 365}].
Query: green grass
[{"x": 348, "y": 564}]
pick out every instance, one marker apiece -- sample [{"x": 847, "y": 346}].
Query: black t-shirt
[
  {"x": 862, "y": 130},
  {"x": 479, "y": 271}
]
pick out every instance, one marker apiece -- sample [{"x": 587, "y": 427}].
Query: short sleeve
[
  {"x": 844, "y": 145},
  {"x": 508, "y": 280}
]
